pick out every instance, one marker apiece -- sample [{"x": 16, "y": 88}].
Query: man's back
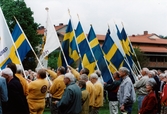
[
  {"x": 98, "y": 94},
  {"x": 58, "y": 86},
  {"x": 71, "y": 100},
  {"x": 37, "y": 89},
  {"x": 23, "y": 83},
  {"x": 91, "y": 89},
  {"x": 17, "y": 102}
]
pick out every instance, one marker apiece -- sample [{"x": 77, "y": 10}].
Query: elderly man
[
  {"x": 126, "y": 93},
  {"x": 91, "y": 89},
  {"x": 98, "y": 93},
  {"x": 16, "y": 103},
  {"x": 57, "y": 89},
  {"x": 70, "y": 102},
  {"x": 3, "y": 92},
  {"x": 85, "y": 97},
  {"x": 140, "y": 87},
  {"x": 36, "y": 93}
]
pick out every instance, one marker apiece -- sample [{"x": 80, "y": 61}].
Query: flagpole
[
  {"x": 47, "y": 9},
  {"x": 131, "y": 70},
  {"x": 29, "y": 43}
]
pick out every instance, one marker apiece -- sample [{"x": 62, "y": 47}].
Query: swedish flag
[
  {"x": 7, "y": 47},
  {"x": 125, "y": 47},
  {"x": 69, "y": 47},
  {"x": 20, "y": 41},
  {"x": 21, "y": 45},
  {"x": 97, "y": 51},
  {"x": 127, "y": 41},
  {"x": 88, "y": 60},
  {"x": 112, "y": 53},
  {"x": 129, "y": 45},
  {"x": 129, "y": 61}
]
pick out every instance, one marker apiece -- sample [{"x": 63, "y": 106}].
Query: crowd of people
[{"x": 72, "y": 92}]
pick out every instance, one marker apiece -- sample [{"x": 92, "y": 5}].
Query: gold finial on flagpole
[
  {"x": 114, "y": 21},
  {"x": 69, "y": 13},
  {"x": 47, "y": 9},
  {"x": 78, "y": 17},
  {"x": 122, "y": 24},
  {"x": 108, "y": 25}
]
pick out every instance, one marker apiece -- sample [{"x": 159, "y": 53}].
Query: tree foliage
[
  {"x": 143, "y": 60},
  {"x": 53, "y": 57},
  {"x": 163, "y": 37},
  {"x": 24, "y": 16}
]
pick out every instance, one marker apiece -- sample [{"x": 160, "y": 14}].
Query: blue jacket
[
  {"x": 126, "y": 93},
  {"x": 70, "y": 102},
  {"x": 3, "y": 92}
]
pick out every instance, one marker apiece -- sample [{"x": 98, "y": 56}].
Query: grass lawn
[{"x": 103, "y": 110}]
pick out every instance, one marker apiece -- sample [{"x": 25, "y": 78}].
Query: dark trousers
[
  {"x": 54, "y": 108},
  {"x": 95, "y": 110}
]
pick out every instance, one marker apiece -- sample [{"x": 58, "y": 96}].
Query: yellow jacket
[
  {"x": 91, "y": 89},
  {"x": 85, "y": 102},
  {"x": 37, "y": 89},
  {"x": 98, "y": 94},
  {"x": 58, "y": 86},
  {"x": 23, "y": 82}
]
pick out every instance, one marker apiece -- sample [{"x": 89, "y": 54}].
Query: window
[
  {"x": 160, "y": 59},
  {"x": 152, "y": 59}
]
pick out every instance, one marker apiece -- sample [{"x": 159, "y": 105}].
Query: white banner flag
[{"x": 52, "y": 40}]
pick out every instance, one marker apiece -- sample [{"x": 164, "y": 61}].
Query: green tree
[
  {"x": 143, "y": 60},
  {"x": 23, "y": 14},
  {"x": 52, "y": 59},
  {"x": 163, "y": 37}
]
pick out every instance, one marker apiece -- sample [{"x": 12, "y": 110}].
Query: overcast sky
[{"x": 136, "y": 15}]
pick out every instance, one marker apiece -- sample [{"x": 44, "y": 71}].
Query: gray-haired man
[{"x": 126, "y": 93}]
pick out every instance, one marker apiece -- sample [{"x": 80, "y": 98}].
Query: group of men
[
  {"x": 92, "y": 92},
  {"x": 122, "y": 92},
  {"x": 72, "y": 92},
  {"x": 20, "y": 97}
]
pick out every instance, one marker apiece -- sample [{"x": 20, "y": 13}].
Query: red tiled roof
[
  {"x": 147, "y": 39},
  {"x": 140, "y": 39},
  {"x": 41, "y": 31},
  {"x": 100, "y": 37},
  {"x": 153, "y": 49},
  {"x": 59, "y": 27}
]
